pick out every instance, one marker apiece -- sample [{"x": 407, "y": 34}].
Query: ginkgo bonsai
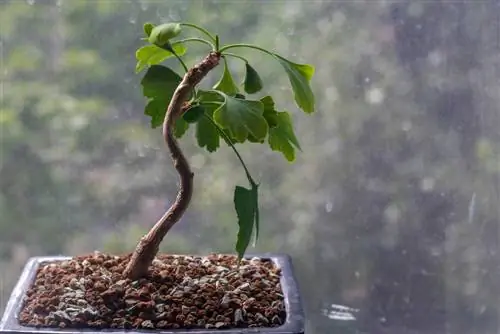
[
  {"x": 147, "y": 290},
  {"x": 225, "y": 111}
]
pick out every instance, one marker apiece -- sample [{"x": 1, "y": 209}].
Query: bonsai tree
[
  {"x": 157, "y": 291},
  {"x": 224, "y": 112}
]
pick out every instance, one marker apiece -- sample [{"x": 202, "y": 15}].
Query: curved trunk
[{"x": 149, "y": 244}]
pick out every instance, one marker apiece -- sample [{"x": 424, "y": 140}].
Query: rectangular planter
[{"x": 294, "y": 322}]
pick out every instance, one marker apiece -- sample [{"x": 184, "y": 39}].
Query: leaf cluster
[{"x": 228, "y": 111}]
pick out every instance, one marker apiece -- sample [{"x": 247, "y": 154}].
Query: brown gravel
[{"x": 181, "y": 292}]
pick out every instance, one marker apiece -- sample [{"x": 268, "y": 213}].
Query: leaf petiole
[
  {"x": 244, "y": 45},
  {"x": 195, "y": 39},
  {"x": 213, "y": 103},
  {"x": 180, "y": 60},
  {"x": 228, "y": 141},
  {"x": 191, "y": 25},
  {"x": 235, "y": 56}
]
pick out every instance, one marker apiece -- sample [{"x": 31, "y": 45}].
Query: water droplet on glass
[
  {"x": 427, "y": 184},
  {"x": 406, "y": 126},
  {"x": 132, "y": 20},
  {"x": 173, "y": 15},
  {"x": 144, "y": 5},
  {"x": 30, "y": 2},
  {"x": 375, "y": 96},
  {"x": 329, "y": 207}
]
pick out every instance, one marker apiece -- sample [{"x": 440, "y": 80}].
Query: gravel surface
[{"x": 181, "y": 292}]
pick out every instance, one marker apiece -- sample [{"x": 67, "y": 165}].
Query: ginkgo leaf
[
  {"x": 252, "y": 82},
  {"x": 226, "y": 83},
  {"x": 180, "y": 127},
  {"x": 209, "y": 96},
  {"x": 151, "y": 55},
  {"x": 269, "y": 111},
  {"x": 300, "y": 76},
  {"x": 241, "y": 118},
  {"x": 156, "y": 109},
  {"x": 246, "y": 205},
  {"x": 148, "y": 27},
  {"x": 159, "y": 84},
  {"x": 282, "y": 137},
  {"x": 194, "y": 113},
  {"x": 207, "y": 134}
]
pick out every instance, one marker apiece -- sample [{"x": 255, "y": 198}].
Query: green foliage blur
[{"x": 391, "y": 207}]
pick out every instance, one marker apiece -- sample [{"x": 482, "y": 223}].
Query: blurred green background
[{"x": 391, "y": 208}]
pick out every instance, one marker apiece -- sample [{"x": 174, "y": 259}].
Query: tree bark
[{"x": 148, "y": 246}]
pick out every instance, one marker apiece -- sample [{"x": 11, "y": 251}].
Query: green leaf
[
  {"x": 160, "y": 82},
  {"x": 282, "y": 137},
  {"x": 194, "y": 113},
  {"x": 148, "y": 27},
  {"x": 209, "y": 96},
  {"x": 180, "y": 127},
  {"x": 257, "y": 214},
  {"x": 207, "y": 134},
  {"x": 151, "y": 55},
  {"x": 241, "y": 118},
  {"x": 246, "y": 205},
  {"x": 270, "y": 113},
  {"x": 160, "y": 35},
  {"x": 156, "y": 109},
  {"x": 226, "y": 83},
  {"x": 252, "y": 82},
  {"x": 300, "y": 76},
  {"x": 252, "y": 139}
]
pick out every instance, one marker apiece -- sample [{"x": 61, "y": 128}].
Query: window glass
[{"x": 390, "y": 211}]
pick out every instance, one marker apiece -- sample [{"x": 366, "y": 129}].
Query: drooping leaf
[
  {"x": 180, "y": 127},
  {"x": 151, "y": 55},
  {"x": 207, "y": 134},
  {"x": 162, "y": 34},
  {"x": 282, "y": 137},
  {"x": 252, "y": 82},
  {"x": 246, "y": 205},
  {"x": 226, "y": 83},
  {"x": 194, "y": 113},
  {"x": 300, "y": 76},
  {"x": 160, "y": 82},
  {"x": 242, "y": 117},
  {"x": 148, "y": 27},
  {"x": 257, "y": 214},
  {"x": 252, "y": 139},
  {"x": 156, "y": 109},
  {"x": 270, "y": 113}
]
